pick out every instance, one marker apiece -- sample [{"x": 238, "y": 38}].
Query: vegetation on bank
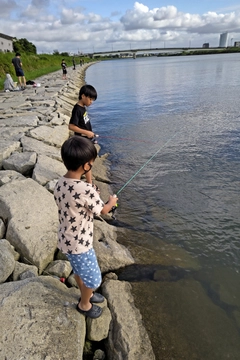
[
  {"x": 23, "y": 45},
  {"x": 212, "y": 51},
  {"x": 189, "y": 52},
  {"x": 35, "y": 65}
]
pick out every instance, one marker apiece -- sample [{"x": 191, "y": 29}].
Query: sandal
[
  {"x": 93, "y": 313},
  {"x": 96, "y": 298}
]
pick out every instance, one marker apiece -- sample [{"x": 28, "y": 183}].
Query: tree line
[{"x": 24, "y": 46}]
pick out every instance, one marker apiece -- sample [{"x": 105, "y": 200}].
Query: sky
[{"x": 77, "y": 26}]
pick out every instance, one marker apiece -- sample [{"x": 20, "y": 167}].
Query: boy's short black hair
[
  {"x": 89, "y": 91},
  {"x": 18, "y": 54},
  {"x": 77, "y": 151}
]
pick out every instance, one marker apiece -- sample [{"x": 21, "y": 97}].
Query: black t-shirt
[
  {"x": 17, "y": 63},
  {"x": 64, "y": 66},
  {"x": 80, "y": 118}
]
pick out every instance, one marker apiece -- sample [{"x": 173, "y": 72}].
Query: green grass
[{"x": 34, "y": 66}]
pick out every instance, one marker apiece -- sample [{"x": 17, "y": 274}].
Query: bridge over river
[{"x": 133, "y": 52}]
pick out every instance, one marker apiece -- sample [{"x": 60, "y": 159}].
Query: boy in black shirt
[
  {"x": 64, "y": 69},
  {"x": 79, "y": 122}
]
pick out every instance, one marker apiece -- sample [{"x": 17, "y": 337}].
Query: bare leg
[
  {"x": 20, "y": 81},
  {"x": 86, "y": 294},
  {"x": 24, "y": 80}
]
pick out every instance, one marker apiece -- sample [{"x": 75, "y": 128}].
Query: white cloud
[
  {"x": 169, "y": 18},
  {"x": 169, "y": 12},
  {"x": 69, "y": 16},
  {"x": 57, "y": 24}
]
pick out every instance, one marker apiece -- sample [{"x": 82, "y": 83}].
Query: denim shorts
[{"x": 86, "y": 266}]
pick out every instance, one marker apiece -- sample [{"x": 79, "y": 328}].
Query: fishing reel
[{"x": 113, "y": 209}]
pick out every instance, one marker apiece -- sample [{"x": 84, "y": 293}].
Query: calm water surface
[{"x": 177, "y": 120}]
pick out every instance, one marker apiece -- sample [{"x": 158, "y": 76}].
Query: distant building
[
  {"x": 223, "y": 40},
  {"x": 205, "y": 46},
  {"x": 6, "y": 43},
  {"x": 236, "y": 43}
]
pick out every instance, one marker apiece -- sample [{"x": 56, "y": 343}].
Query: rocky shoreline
[{"x": 36, "y": 308}]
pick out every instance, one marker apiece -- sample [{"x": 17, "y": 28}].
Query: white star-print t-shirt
[{"x": 77, "y": 203}]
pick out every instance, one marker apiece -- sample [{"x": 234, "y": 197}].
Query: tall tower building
[{"x": 223, "y": 40}]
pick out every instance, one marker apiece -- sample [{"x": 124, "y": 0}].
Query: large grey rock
[
  {"x": 7, "y": 262},
  {"x": 42, "y": 102},
  {"x": 32, "y": 220},
  {"x": 9, "y": 175},
  {"x": 7, "y": 244},
  {"x": 30, "y": 120},
  {"x": 98, "y": 329},
  {"x": 127, "y": 339},
  {"x": 100, "y": 169},
  {"x": 7, "y": 147},
  {"x": 110, "y": 254},
  {"x": 59, "y": 268},
  {"x": 21, "y": 269},
  {"x": 30, "y": 144},
  {"x": 21, "y": 162},
  {"x": 71, "y": 281},
  {"x": 52, "y": 135},
  {"x": 40, "y": 321},
  {"x": 67, "y": 99},
  {"x": 50, "y": 186},
  {"x": 47, "y": 169},
  {"x": 59, "y": 120},
  {"x": 13, "y": 133},
  {"x": 22, "y": 104}
]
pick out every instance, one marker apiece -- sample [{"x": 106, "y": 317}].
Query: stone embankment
[{"x": 37, "y": 310}]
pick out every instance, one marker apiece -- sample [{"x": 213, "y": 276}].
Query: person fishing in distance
[{"x": 79, "y": 121}]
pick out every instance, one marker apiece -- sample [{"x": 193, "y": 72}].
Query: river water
[{"x": 172, "y": 128}]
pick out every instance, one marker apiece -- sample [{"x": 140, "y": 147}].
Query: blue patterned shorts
[{"x": 86, "y": 266}]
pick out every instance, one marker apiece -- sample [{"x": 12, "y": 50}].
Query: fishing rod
[
  {"x": 140, "y": 169},
  {"x": 123, "y": 138}
]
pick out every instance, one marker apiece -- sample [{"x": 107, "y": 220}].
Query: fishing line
[{"x": 137, "y": 172}]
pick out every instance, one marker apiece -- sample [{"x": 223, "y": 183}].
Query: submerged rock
[{"x": 127, "y": 338}]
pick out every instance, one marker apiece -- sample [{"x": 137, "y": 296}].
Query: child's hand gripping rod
[{"x": 113, "y": 209}]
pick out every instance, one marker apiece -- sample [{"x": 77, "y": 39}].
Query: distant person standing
[
  {"x": 64, "y": 69},
  {"x": 74, "y": 64},
  {"x": 16, "y": 61}
]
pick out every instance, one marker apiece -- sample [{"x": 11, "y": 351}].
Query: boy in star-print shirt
[{"x": 78, "y": 202}]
